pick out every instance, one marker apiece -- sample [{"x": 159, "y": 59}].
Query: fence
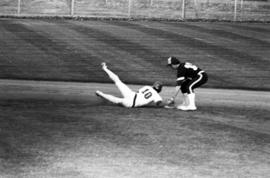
[{"x": 166, "y": 9}]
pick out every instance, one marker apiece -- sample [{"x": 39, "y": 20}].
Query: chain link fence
[{"x": 236, "y": 10}]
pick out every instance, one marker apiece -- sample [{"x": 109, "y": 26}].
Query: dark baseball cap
[{"x": 173, "y": 61}]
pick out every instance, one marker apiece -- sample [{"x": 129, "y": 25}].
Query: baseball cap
[
  {"x": 158, "y": 86},
  {"x": 173, "y": 61}
]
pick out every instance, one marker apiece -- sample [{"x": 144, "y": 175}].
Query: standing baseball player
[
  {"x": 189, "y": 77},
  {"x": 145, "y": 96}
]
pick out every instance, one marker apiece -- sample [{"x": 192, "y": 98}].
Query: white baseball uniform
[{"x": 144, "y": 96}]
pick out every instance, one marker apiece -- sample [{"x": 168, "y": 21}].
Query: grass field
[
  {"x": 234, "y": 55},
  {"x": 53, "y": 125},
  {"x": 61, "y": 129}
]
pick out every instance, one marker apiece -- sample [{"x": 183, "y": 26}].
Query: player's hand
[{"x": 170, "y": 101}]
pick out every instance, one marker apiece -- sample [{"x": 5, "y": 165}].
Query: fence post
[
  {"x": 19, "y": 7},
  {"x": 129, "y": 8},
  {"x": 196, "y": 8},
  {"x": 151, "y": 3},
  {"x": 72, "y": 7},
  {"x": 183, "y": 9},
  {"x": 235, "y": 10}
]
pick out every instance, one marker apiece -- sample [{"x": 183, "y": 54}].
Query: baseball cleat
[
  {"x": 186, "y": 108},
  {"x": 98, "y": 93},
  {"x": 103, "y": 65}
]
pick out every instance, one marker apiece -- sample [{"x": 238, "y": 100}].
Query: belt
[{"x": 134, "y": 100}]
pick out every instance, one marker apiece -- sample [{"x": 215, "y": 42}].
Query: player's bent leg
[
  {"x": 195, "y": 83},
  {"x": 185, "y": 99},
  {"x": 184, "y": 90},
  {"x": 198, "y": 81},
  {"x": 110, "y": 98},
  {"x": 191, "y": 103},
  {"x": 129, "y": 101},
  {"x": 123, "y": 88},
  {"x": 189, "y": 99},
  {"x": 112, "y": 75}
]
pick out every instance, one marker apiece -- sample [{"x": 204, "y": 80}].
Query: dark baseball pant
[{"x": 189, "y": 85}]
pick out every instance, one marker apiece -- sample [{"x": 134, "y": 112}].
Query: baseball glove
[{"x": 170, "y": 103}]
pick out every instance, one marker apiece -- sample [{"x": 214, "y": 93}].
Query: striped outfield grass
[{"x": 234, "y": 55}]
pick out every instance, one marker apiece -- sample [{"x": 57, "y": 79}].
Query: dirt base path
[
  {"x": 16, "y": 89},
  {"x": 239, "y": 99}
]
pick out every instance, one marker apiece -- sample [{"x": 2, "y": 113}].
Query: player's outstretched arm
[
  {"x": 177, "y": 90},
  {"x": 163, "y": 104}
]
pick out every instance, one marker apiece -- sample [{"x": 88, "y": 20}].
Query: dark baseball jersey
[{"x": 186, "y": 71}]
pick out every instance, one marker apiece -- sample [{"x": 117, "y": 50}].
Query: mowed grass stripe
[
  {"x": 120, "y": 61},
  {"x": 23, "y": 60},
  {"x": 131, "y": 47},
  {"x": 231, "y": 55},
  {"x": 222, "y": 33},
  {"x": 10, "y": 54},
  {"x": 7, "y": 63},
  {"x": 140, "y": 62},
  {"x": 232, "y": 73},
  {"x": 143, "y": 55},
  {"x": 76, "y": 65},
  {"x": 165, "y": 73},
  {"x": 91, "y": 52},
  {"x": 250, "y": 28}
]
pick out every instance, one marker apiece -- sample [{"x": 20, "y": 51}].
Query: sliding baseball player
[{"x": 145, "y": 96}]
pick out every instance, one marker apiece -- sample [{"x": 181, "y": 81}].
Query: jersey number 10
[{"x": 147, "y": 93}]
